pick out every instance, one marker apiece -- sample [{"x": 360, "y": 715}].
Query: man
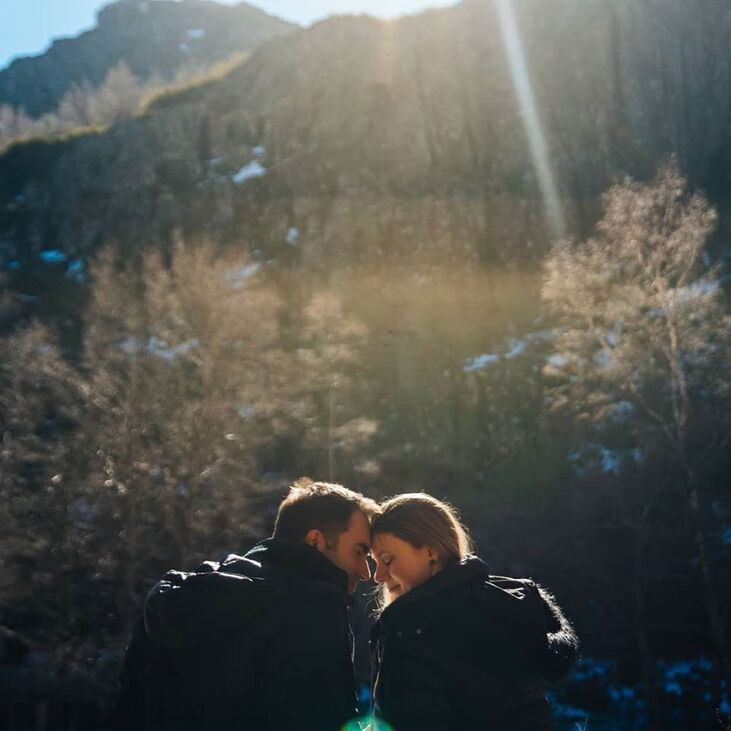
[{"x": 258, "y": 642}]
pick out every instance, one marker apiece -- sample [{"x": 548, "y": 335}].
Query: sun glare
[{"x": 531, "y": 119}]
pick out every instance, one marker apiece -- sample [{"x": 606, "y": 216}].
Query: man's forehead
[{"x": 359, "y": 529}]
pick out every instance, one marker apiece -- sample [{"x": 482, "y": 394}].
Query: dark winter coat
[
  {"x": 467, "y": 650},
  {"x": 258, "y": 642}
]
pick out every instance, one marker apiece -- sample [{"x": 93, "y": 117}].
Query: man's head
[{"x": 331, "y": 519}]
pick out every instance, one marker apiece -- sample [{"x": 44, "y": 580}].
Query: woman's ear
[
  {"x": 316, "y": 539},
  {"x": 433, "y": 555}
]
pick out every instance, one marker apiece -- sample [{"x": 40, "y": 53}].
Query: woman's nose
[{"x": 381, "y": 573}]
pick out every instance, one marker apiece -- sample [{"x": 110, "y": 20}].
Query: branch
[{"x": 657, "y": 417}]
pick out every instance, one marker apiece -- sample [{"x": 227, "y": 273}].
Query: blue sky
[{"x": 28, "y": 26}]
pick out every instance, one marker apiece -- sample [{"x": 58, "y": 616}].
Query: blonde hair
[{"x": 422, "y": 520}]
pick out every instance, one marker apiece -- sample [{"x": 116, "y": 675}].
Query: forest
[{"x": 375, "y": 254}]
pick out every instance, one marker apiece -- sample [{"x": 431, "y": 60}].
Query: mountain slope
[
  {"x": 150, "y": 36},
  {"x": 359, "y": 139}
]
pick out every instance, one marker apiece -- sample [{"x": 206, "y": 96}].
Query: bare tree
[
  {"x": 331, "y": 345},
  {"x": 180, "y": 373},
  {"x": 14, "y": 123},
  {"x": 42, "y": 504},
  {"x": 118, "y": 97},
  {"x": 644, "y": 324}
]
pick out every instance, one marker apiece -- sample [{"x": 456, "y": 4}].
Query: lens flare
[
  {"x": 367, "y": 723},
  {"x": 531, "y": 119}
]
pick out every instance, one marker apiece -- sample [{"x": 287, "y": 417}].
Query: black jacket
[
  {"x": 467, "y": 650},
  {"x": 258, "y": 642}
]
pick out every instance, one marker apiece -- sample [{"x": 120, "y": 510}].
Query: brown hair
[
  {"x": 421, "y": 520},
  {"x": 319, "y": 505}
]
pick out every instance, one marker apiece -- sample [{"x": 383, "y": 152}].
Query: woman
[{"x": 454, "y": 647}]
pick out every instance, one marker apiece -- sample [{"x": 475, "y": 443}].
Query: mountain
[
  {"x": 150, "y": 36},
  {"x": 363, "y": 140}
]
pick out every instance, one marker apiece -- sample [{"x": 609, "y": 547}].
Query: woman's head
[{"x": 414, "y": 536}]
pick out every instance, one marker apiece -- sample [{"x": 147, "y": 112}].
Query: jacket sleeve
[
  {"x": 309, "y": 681},
  {"x": 563, "y": 643},
  {"x": 536, "y": 619}
]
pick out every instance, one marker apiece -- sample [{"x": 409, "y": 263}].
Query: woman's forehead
[{"x": 387, "y": 542}]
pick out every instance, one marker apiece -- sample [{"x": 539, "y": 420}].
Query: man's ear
[{"x": 316, "y": 539}]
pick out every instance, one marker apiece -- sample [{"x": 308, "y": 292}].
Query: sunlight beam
[{"x": 529, "y": 112}]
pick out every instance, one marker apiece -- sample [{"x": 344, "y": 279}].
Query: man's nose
[{"x": 365, "y": 569}]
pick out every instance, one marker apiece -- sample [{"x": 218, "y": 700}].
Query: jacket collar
[
  {"x": 296, "y": 560},
  {"x": 443, "y": 583}
]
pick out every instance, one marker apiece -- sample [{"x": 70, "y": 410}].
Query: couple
[{"x": 261, "y": 642}]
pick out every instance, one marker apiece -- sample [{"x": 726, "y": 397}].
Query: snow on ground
[
  {"x": 195, "y": 34},
  {"x": 681, "y": 672},
  {"x": 557, "y": 360},
  {"x": 259, "y": 151},
  {"x": 155, "y": 346},
  {"x": 591, "y": 667},
  {"x": 170, "y": 352},
  {"x": 238, "y": 277},
  {"x": 76, "y": 270},
  {"x": 130, "y": 345},
  {"x": 603, "y": 358},
  {"x": 516, "y": 347},
  {"x": 292, "y": 236},
  {"x": 610, "y": 461},
  {"x": 83, "y": 512},
  {"x": 637, "y": 455},
  {"x": 254, "y": 169},
  {"x": 480, "y": 361},
  {"x": 622, "y": 410},
  {"x": 678, "y": 679},
  {"x": 693, "y": 291},
  {"x": 621, "y": 693},
  {"x": 246, "y": 412},
  {"x": 52, "y": 256}
]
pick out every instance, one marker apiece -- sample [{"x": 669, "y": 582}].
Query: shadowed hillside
[{"x": 362, "y": 138}]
